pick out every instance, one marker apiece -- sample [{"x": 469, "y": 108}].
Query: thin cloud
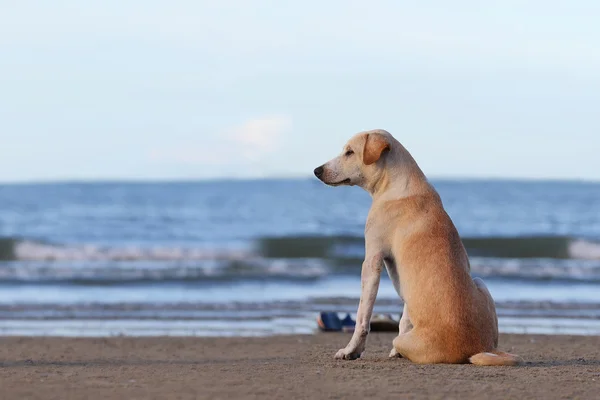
[
  {"x": 259, "y": 137},
  {"x": 245, "y": 144}
]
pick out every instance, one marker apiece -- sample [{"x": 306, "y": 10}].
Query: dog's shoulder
[{"x": 411, "y": 207}]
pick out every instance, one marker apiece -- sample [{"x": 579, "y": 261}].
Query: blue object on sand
[
  {"x": 329, "y": 322},
  {"x": 348, "y": 324}
]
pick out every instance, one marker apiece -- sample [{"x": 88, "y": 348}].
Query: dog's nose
[{"x": 319, "y": 172}]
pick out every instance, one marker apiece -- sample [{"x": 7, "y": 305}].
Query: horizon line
[{"x": 67, "y": 181}]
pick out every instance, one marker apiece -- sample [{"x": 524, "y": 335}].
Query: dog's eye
[{"x": 349, "y": 153}]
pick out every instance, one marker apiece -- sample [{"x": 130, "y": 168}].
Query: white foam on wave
[
  {"x": 536, "y": 268},
  {"x": 66, "y": 262},
  {"x": 165, "y": 271},
  {"x": 47, "y": 262},
  {"x": 584, "y": 249},
  {"x": 33, "y": 251}
]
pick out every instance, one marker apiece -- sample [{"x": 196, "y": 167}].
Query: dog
[{"x": 448, "y": 316}]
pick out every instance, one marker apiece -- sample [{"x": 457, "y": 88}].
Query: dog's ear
[{"x": 375, "y": 145}]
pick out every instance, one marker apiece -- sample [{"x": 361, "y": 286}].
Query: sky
[{"x": 192, "y": 89}]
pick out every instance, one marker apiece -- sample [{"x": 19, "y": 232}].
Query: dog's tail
[{"x": 495, "y": 358}]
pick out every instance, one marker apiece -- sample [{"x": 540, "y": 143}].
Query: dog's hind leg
[
  {"x": 490, "y": 305},
  {"x": 416, "y": 348}
]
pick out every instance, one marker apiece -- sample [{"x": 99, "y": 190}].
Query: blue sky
[{"x": 207, "y": 89}]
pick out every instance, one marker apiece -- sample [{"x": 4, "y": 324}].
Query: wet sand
[{"x": 292, "y": 367}]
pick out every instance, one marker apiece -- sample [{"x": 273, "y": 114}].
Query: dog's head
[{"x": 360, "y": 162}]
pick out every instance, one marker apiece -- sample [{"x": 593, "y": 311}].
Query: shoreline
[{"x": 294, "y": 366}]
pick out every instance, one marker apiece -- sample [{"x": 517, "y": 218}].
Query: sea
[{"x": 264, "y": 257}]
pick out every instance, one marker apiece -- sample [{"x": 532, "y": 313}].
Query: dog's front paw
[{"x": 345, "y": 354}]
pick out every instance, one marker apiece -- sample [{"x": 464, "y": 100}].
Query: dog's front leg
[{"x": 370, "y": 276}]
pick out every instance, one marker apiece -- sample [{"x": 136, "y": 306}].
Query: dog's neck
[{"x": 401, "y": 178}]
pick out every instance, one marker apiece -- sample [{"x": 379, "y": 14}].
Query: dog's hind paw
[{"x": 394, "y": 354}]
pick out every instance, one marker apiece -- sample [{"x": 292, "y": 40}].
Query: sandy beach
[{"x": 299, "y": 367}]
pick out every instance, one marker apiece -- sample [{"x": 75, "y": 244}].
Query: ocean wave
[
  {"x": 291, "y": 258},
  {"x": 261, "y": 269},
  {"x": 329, "y": 247},
  {"x": 122, "y": 272},
  {"x": 554, "y": 247},
  {"x": 536, "y": 269},
  {"x": 29, "y": 250}
]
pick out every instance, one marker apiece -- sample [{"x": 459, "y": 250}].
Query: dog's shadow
[{"x": 577, "y": 362}]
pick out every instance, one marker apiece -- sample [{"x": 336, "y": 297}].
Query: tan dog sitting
[{"x": 448, "y": 316}]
